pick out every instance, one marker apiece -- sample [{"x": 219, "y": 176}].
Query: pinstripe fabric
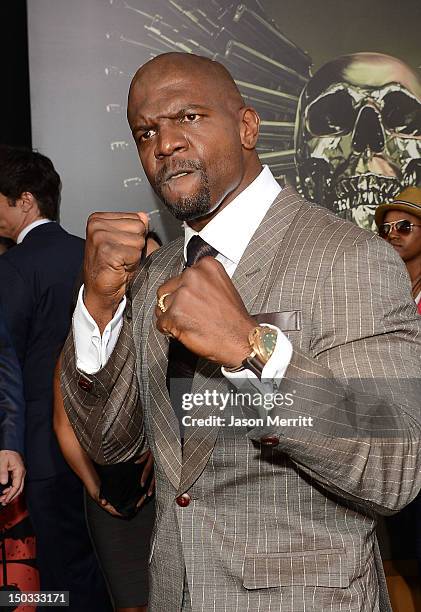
[{"x": 290, "y": 527}]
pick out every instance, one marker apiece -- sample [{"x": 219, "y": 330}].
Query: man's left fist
[{"x": 205, "y": 312}]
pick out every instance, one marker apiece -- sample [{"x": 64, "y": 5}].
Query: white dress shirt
[
  {"x": 245, "y": 214},
  {"x": 30, "y": 227}
]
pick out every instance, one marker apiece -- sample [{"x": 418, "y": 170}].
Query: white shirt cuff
[
  {"x": 92, "y": 350},
  {"x": 274, "y": 370}
]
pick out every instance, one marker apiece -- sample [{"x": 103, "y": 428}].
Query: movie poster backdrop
[
  {"x": 338, "y": 91},
  {"x": 337, "y": 85}
]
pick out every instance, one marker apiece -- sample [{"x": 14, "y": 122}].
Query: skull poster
[{"x": 358, "y": 134}]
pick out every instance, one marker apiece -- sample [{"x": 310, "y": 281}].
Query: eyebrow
[
  {"x": 177, "y": 115},
  {"x": 140, "y": 127},
  {"x": 187, "y": 109}
]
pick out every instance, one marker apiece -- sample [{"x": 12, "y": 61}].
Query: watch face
[
  {"x": 268, "y": 339},
  {"x": 262, "y": 342}
]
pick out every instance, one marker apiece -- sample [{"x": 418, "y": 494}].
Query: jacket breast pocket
[{"x": 324, "y": 568}]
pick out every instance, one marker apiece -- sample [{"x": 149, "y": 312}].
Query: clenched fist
[
  {"x": 204, "y": 311},
  {"x": 114, "y": 243}
]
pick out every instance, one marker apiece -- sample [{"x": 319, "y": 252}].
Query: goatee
[{"x": 189, "y": 207}]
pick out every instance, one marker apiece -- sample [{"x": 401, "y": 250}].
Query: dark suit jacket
[
  {"x": 36, "y": 284},
  {"x": 12, "y": 406}
]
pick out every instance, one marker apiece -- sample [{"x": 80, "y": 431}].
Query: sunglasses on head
[{"x": 403, "y": 227}]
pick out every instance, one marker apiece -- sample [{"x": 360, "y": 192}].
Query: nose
[
  {"x": 171, "y": 139},
  {"x": 393, "y": 233},
  {"x": 368, "y": 131}
]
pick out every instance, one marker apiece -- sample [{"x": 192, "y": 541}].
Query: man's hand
[
  {"x": 114, "y": 243},
  {"x": 205, "y": 312},
  {"x": 11, "y": 464}
]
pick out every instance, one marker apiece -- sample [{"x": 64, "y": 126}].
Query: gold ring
[{"x": 160, "y": 303}]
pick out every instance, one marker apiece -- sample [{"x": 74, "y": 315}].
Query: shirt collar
[
  {"x": 30, "y": 227},
  {"x": 230, "y": 231}
]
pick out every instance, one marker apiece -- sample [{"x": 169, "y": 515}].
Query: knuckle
[
  {"x": 206, "y": 262},
  {"x": 141, "y": 227},
  {"x": 93, "y": 221},
  {"x": 209, "y": 263},
  {"x": 189, "y": 275},
  {"x": 98, "y": 236},
  {"x": 176, "y": 313},
  {"x": 140, "y": 241},
  {"x": 184, "y": 294},
  {"x": 93, "y": 216},
  {"x": 106, "y": 248}
]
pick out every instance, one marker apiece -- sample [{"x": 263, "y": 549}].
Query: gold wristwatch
[{"x": 262, "y": 342}]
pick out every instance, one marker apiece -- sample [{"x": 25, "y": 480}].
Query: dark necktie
[
  {"x": 198, "y": 248},
  {"x": 182, "y": 362}
]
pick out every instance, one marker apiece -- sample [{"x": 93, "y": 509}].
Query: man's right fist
[{"x": 114, "y": 243}]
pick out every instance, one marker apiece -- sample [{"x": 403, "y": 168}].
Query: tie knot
[{"x": 198, "y": 248}]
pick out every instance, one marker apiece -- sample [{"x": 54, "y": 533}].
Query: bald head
[{"x": 199, "y": 69}]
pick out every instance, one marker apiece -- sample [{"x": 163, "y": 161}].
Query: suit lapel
[
  {"x": 255, "y": 267},
  {"x": 250, "y": 279},
  {"x": 199, "y": 441},
  {"x": 161, "y": 416}
]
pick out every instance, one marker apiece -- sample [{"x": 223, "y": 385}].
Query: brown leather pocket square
[{"x": 288, "y": 320}]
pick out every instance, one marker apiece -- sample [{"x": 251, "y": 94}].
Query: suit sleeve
[
  {"x": 17, "y": 305},
  {"x": 12, "y": 406},
  {"x": 359, "y": 384},
  {"x": 104, "y": 408}
]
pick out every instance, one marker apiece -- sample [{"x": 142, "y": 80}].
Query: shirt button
[
  {"x": 269, "y": 440},
  {"x": 183, "y": 500}
]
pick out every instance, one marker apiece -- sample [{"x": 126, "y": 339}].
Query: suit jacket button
[
  {"x": 84, "y": 383},
  {"x": 183, "y": 500},
  {"x": 269, "y": 440}
]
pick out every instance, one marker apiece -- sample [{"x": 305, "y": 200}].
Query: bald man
[{"x": 251, "y": 355}]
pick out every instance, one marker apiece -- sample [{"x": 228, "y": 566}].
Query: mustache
[{"x": 183, "y": 165}]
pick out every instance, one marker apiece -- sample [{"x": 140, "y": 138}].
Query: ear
[
  {"x": 249, "y": 127},
  {"x": 26, "y": 201}
]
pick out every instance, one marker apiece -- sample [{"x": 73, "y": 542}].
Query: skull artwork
[{"x": 358, "y": 134}]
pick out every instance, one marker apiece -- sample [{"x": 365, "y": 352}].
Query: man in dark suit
[
  {"x": 12, "y": 419},
  {"x": 36, "y": 286}
]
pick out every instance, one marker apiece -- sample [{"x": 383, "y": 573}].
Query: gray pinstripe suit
[{"x": 288, "y": 527}]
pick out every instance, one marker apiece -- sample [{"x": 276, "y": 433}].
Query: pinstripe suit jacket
[{"x": 288, "y": 527}]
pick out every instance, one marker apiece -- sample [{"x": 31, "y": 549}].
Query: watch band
[{"x": 253, "y": 363}]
